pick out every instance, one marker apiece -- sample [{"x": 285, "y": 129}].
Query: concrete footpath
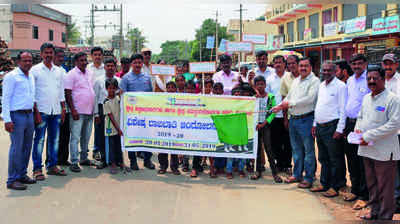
[{"x": 95, "y": 196}]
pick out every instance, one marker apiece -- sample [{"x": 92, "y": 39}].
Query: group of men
[{"x": 46, "y": 99}]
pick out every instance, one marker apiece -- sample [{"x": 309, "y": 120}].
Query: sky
[{"x": 159, "y": 20}]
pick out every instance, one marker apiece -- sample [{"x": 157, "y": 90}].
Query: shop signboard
[
  {"x": 355, "y": 25},
  {"x": 330, "y": 29},
  {"x": 389, "y": 24}
]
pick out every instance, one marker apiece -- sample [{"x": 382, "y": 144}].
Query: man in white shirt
[
  {"x": 101, "y": 94},
  {"x": 328, "y": 128},
  {"x": 97, "y": 69},
  {"x": 226, "y": 76},
  {"x": 262, "y": 61},
  {"x": 157, "y": 81},
  {"x": 49, "y": 111},
  {"x": 280, "y": 141},
  {"x": 378, "y": 122},
  {"x": 301, "y": 102}
]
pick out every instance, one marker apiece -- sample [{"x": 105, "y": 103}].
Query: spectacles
[
  {"x": 147, "y": 53},
  {"x": 373, "y": 78}
]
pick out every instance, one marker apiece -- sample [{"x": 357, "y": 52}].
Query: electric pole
[
  {"x": 216, "y": 36},
  {"x": 241, "y": 26},
  {"x": 92, "y": 26}
]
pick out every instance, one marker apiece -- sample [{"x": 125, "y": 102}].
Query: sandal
[
  {"x": 213, "y": 174},
  {"x": 56, "y": 171},
  {"x": 350, "y": 197},
  {"x": 360, "y": 204},
  {"x": 277, "y": 179},
  {"x": 369, "y": 217},
  {"x": 256, "y": 176},
  {"x": 162, "y": 171},
  {"x": 113, "y": 170},
  {"x": 193, "y": 173},
  {"x": 38, "y": 175}
]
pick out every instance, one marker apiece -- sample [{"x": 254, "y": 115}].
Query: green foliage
[
  {"x": 174, "y": 51},
  {"x": 137, "y": 39},
  {"x": 73, "y": 33},
  {"x": 207, "y": 29}
]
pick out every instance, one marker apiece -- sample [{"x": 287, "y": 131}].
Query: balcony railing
[{"x": 390, "y": 12}]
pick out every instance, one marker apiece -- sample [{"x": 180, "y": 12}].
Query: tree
[
  {"x": 137, "y": 39},
  {"x": 73, "y": 33},
  {"x": 207, "y": 29},
  {"x": 174, "y": 51}
]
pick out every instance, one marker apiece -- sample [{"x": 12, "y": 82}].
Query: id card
[{"x": 108, "y": 130}]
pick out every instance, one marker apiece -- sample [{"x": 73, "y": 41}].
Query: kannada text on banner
[{"x": 182, "y": 124}]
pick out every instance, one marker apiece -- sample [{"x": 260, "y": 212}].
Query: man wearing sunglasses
[{"x": 157, "y": 82}]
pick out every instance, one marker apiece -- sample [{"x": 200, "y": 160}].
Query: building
[
  {"x": 333, "y": 31},
  {"x": 27, "y": 26}
]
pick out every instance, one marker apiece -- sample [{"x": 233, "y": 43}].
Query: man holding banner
[
  {"x": 226, "y": 76},
  {"x": 136, "y": 81}
]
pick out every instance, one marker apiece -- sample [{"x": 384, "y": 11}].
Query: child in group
[
  {"x": 180, "y": 83},
  {"x": 240, "y": 162},
  {"x": 163, "y": 157},
  {"x": 190, "y": 87},
  {"x": 265, "y": 118},
  {"x": 217, "y": 164},
  {"x": 113, "y": 132}
]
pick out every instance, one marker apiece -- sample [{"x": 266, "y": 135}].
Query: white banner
[
  {"x": 202, "y": 67},
  {"x": 254, "y": 38},
  {"x": 163, "y": 69},
  {"x": 239, "y": 46}
]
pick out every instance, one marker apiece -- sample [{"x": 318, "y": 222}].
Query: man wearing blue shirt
[
  {"x": 18, "y": 99},
  {"x": 136, "y": 81}
]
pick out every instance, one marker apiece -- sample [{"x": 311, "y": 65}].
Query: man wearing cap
[
  {"x": 392, "y": 77},
  {"x": 157, "y": 82}
]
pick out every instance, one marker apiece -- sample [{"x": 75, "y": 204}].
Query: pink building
[{"x": 32, "y": 25}]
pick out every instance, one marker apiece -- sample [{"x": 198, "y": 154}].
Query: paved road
[{"x": 145, "y": 197}]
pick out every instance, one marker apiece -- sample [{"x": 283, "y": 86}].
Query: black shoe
[
  {"x": 149, "y": 165},
  {"x": 16, "y": 185},
  {"x": 27, "y": 180},
  {"x": 134, "y": 166},
  {"x": 75, "y": 168},
  {"x": 101, "y": 165}
]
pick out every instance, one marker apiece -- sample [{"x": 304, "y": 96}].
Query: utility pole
[
  {"x": 241, "y": 26},
  {"x": 216, "y": 36},
  {"x": 92, "y": 26},
  {"x": 121, "y": 37}
]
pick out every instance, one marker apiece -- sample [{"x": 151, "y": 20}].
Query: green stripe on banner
[{"x": 231, "y": 128}]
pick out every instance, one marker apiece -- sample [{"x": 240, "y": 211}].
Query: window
[
  {"x": 301, "y": 25},
  {"x": 350, "y": 11},
  {"x": 51, "y": 35},
  {"x": 290, "y": 31},
  {"x": 374, "y": 11},
  {"x": 63, "y": 37},
  {"x": 314, "y": 25},
  {"x": 35, "y": 32},
  {"x": 327, "y": 16},
  {"x": 335, "y": 14}
]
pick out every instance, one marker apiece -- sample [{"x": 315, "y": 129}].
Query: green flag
[{"x": 231, "y": 128}]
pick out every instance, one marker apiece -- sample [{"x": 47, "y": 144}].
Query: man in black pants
[
  {"x": 280, "y": 140},
  {"x": 63, "y": 144}
]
